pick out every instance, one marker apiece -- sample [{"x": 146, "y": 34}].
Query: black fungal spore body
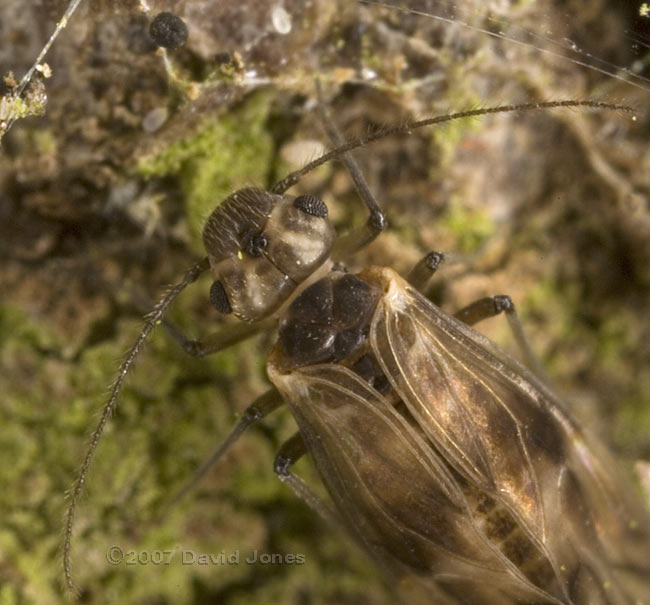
[{"x": 168, "y": 31}]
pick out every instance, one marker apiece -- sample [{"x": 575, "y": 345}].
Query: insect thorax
[{"x": 328, "y": 322}]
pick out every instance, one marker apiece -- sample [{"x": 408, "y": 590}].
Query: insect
[{"x": 450, "y": 462}]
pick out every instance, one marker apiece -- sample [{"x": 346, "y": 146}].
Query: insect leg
[
  {"x": 480, "y": 309},
  {"x": 421, "y": 274},
  {"x": 266, "y": 403},
  {"x": 290, "y": 452},
  {"x": 376, "y": 223},
  {"x": 492, "y": 306},
  {"x": 226, "y": 337}
]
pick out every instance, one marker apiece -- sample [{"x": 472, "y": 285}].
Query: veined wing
[
  {"x": 509, "y": 437},
  {"x": 394, "y": 492}
]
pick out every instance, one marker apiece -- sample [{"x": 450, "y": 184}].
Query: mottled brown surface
[{"x": 556, "y": 204}]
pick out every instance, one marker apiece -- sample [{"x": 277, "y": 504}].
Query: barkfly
[{"x": 450, "y": 462}]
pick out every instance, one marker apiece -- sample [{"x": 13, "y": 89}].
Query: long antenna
[
  {"x": 406, "y": 127},
  {"x": 154, "y": 318}
]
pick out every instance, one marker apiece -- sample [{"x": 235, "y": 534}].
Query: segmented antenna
[
  {"x": 75, "y": 492},
  {"x": 406, "y": 127}
]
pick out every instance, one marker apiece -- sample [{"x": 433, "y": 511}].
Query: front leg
[{"x": 228, "y": 335}]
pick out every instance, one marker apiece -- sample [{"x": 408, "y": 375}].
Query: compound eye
[
  {"x": 312, "y": 205},
  {"x": 255, "y": 244},
  {"x": 219, "y": 298}
]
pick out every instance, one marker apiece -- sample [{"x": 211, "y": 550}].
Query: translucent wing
[
  {"x": 395, "y": 493},
  {"x": 511, "y": 440}
]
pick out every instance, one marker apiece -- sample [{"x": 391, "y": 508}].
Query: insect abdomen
[{"x": 498, "y": 524}]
